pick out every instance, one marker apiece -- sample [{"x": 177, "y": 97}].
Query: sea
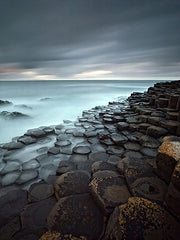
[{"x": 50, "y": 102}]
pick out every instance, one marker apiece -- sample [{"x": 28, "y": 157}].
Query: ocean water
[{"x": 51, "y": 102}]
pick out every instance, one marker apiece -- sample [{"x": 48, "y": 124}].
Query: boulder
[
  {"x": 118, "y": 139},
  {"x": 13, "y": 115},
  {"x": 40, "y": 191},
  {"x": 70, "y": 183},
  {"x": 140, "y": 218},
  {"x": 34, "y": 215},
  {"x": 77, "y": 215},
  {"x": 109, "y": 192},
  {"x": 11, "y": 204},
  {"x": 156, "y": 132},
  {"x": 122, "y": 126},
  {"x": 26, "y": 140},
  {"x": 167, "y": 157}
]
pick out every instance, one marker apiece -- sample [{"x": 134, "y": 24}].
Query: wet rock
[
  {"x": 40, "y": 191},
  {"x": 113, "y": 159},
  {"x": 149, "y": 152},
  {"x": 10, "y": 178},
  {"x": 140, "y": 218},
  {"x": 63, "y": 143},
  {"x": 90, "y": 134},
  {"x": 156, "y": 132},
  {"x": 75, "y": 158},
  {"x": 37, "y": 133},
  {"x": 42, "y": 150},
  {"x": 122, "y": 126},
  {"x": 44, "y": 140},
  {"x": 59, "y": 127},
  {"x": 108, "y": 120},
  {"x": 54, "y": 150},
  {"x": 8, "y": 230},
  {"x": 70, "y": 183},
  {"x": 118, "y": 139},
  {"x": 46, "y": 170},
  {"x": 48, "y": 130},
  {"x": 34, "y": 215},
  {"x": 3, "y": 103},
  {"x": 11, "y": 204},
  {"x": 149, "y": 142},
  {"x": 98, "y": 156},
  {"x": 13, "y": 115},
  {"x": 66, "y": 149},
  {"x": 170, "y": 125},
  {"x": 26, "y": 140},
  {"x": 167, "y": 157},
  {"x": 10, "y": 167},
  {"x": 109, "y": 192},
  {"x": 78, "y": 133},
  {"x": 115, "y": 150},
  {"x": 101, "y": 165},
  {"x": 173, "y": 194},
  {"x": 26, "y": 176},
  {"x": 132, "y": 146},
  {"x": 13, "y": 145},
  {"x": 85, "y": 217},
  {"x": 132, "y": 154},
  {"x": 67, "y": 121},
  {"x": 107, "y": 142},
  {"x": 105, "y": 174},
  {"x": 81, "y": 150}
]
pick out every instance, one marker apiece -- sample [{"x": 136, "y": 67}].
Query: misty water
[{"x": 50, "y": 102}]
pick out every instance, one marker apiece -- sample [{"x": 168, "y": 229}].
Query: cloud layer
[{"x": 89, "y": 39}]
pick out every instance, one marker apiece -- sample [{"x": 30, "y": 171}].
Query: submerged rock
[
  {"x": 2, "y": 103},
  {"x": 13, "y": 115}
]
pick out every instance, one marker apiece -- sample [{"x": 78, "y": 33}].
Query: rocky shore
[{"x": 113, "y": 174}]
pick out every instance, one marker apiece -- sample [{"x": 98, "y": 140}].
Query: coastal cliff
[{"x": 112, "y": 174}]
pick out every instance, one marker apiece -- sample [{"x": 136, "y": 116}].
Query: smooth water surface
[{"x": 50, "y": 102}]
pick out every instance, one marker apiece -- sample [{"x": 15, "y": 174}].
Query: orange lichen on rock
[{"x": 59, "y": 236}]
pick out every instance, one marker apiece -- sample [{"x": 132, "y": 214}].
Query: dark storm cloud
[{"x": 67, "y": 37}]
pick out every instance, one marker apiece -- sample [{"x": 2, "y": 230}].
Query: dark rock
[
  {"x": 132, "y": 154},
  {"x": 98, "y": 156},
  {"x": 13, "y": 115},
  {"x": 13, "y": 145},
  {"x": 132, "y": 146},
  {"x": 149, "y": 152},
  {"x": 13, "y": 226},
  {"x": 77, "y": 215},
  {"x": 54, "y": 150},
  {"x": 62, "y": 143},
  {"x": 26, "y": 140},
  {"x": 34, "y": 215},
  {"x": 109, "y": 192},
  {"x": 27, "y": 176},
  {"x": 10, "y": 178},
  {"x": 167, "y": 157},
  {"x": 122, "y": 126},
  {"x": 81, "y": 150},
  {"x": 11, "y": 204},
  {"x": 10, "y": 167},
  {"x": 2, "y": 103},
  {"x": 37, "y": 133},
  {"x": 46, "y": 170},
  {"x": 156, "y": 132},
  {"x": 70, "y": 183},
  {"x": 48, "y": 130},
  {"x": 101, "y": 165},
  {"x": 113, "y": 159},
  {"x": 150, "y": 142},
  {"x": 115, "y": 150},
  {"x": 66, "y": 150},
  {"x": 40, "y": 191},
  {"x": 119, "y": 139},
  {"x": 140, "y": 218},
  {"x": 105, "y": 174},
  {"x": 90, "y": 134}
]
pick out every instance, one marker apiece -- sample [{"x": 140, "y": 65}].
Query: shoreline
[{"x": 110, "y": 150}]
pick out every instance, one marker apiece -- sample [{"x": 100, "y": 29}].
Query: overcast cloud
[{"x": 89, "y": 39}]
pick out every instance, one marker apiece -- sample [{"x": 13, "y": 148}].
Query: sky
[{"x": 89, "y": 39}]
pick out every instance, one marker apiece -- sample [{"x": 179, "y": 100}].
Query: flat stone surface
[
  {"x": 46, "y": 170},
  {"x": 66, "y": 150},
  {"x": 27, "y": 176},
  {"x": 149, "y": 152},
  {"x": 11, "y": 204},
  {"x": 150, "y": 142},
  {"x": 132, "y": 146},
  {"x": 105, "y": 174},
  {"x": 140, "y": 218},
  {"x": 10, "y": 178},
  {"x": 70, "y": 183},
  {"x": 109, "y": 192},
  {"x": 26, "y": 140},
  {"x": 122, "y": 126},
  {"x": 85, "y": 217},
  {"x": 62, "y": 137},
  {"x": 65, "y": 166},
  {"x": 54, "y": 150},
  {"x": 63, "y": 143},
  {"x": 132, "y": 154},
  {"x": 101, "y": 165},
  {"x": 37, "y": 133},
  {"x": 113, "y": 159},
  {"x": 13, "y": 145},
  {"x": 82, "y": 150},
  {"x": 115, "y": 150},
  {"x": 10, "y": 167},
  {"x": 156, "y": 132},
  {"x": 8, "y": 230},
  {"x": 98, "y": 156},
  {"x": 34, "y": 215},
  {"x": 118, "y": 139},
  {"x": 75, "y": 158},
  {"x": 40, "y": 191}
]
